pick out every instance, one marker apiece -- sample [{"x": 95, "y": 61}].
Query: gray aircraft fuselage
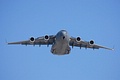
[{"x": 61, "y": 44}]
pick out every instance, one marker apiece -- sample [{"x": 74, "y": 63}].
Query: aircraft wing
[
  {"x": 86, "y": 44},
  {"x": 44, "y": 40}
]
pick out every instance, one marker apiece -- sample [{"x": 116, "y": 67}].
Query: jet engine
[
  {"x": 46, "y": 37},
  {"x": 78, "y": 39},
  {"x": 91, "y": 42},
  {"x": 32, "y": 39}
]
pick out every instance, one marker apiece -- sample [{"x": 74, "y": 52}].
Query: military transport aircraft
[{"x": 60, "y": 42}]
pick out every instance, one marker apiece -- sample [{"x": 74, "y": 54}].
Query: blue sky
[{"x": 90, "y": 19}]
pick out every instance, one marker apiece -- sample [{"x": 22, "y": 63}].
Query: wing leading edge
[
  {"x": 80, "y": 43},
  {"x": 44, "y": 40}
]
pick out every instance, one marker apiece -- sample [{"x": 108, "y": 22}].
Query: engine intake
[
  {"x": 32, "y": 39},
  {"x": 46, "y": 37},
  {"x": 78, "y": 39},
  {"x": 91, "y": 42}
]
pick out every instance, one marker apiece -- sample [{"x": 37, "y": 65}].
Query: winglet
[
  {"x": 6, "y": 41},
  {"x": 113, "y": 48}
]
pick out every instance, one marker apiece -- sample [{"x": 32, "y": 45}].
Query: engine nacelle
[
  {"x": 91, "y": 42},
  {"x": 46, "y": 37},
  {"x": 78, "y": 39},
  {"x": 32, "y": 39}
]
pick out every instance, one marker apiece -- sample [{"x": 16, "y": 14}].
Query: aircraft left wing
[
  {"x": 87, "y": 44},
  {"x": 44, "y": 40}
]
